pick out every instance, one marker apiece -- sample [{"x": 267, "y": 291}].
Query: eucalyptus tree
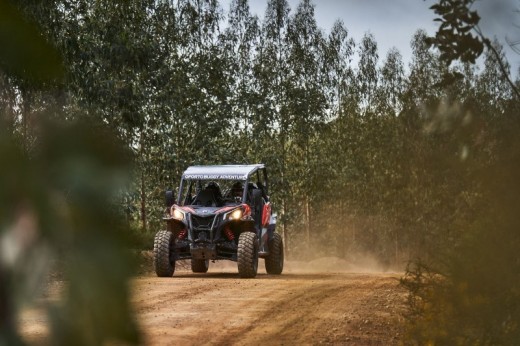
[
  {"x": 338, "y": 57},
  {"x": 271, "y": 64},
  {"x": 306, "y": 103},
  {"x": 340, "y": 89},
  {"x": 335, "y": 142},
  {"x": 493, "y": 87},
  {"x": 111, "y": 63},
  {"x": 270, "y": 76},
  {"x": 386, "y": 133},
  {"x": 425, "y": 72},
  {"x": 366, "y": 134},
  {"x": 190, "y": 116},
  {"x": 113, "y": 73},
  {"x": 204, "y": 115},
  {"x": 241, "y": 38},
  {"x": 367, "y": 76},
  {"x": 385, "y": 139},
  {"x": 392, "y": 84},
  {"x": 27, "y": 91}
]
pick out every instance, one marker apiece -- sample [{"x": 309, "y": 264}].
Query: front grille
[
  {"x": 201, "y": 236},
  {"x": 202, "y": 222}
]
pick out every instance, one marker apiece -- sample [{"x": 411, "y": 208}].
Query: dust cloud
[
  {"x": 359, "y": 264},
  {"x": 356, "y": 264}
]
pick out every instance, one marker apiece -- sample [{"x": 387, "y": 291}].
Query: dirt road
[{"x": 300, "y": 307}]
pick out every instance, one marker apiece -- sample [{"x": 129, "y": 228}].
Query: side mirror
[{"x": 170, "y": 198}]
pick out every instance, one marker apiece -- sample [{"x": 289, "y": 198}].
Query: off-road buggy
[{"x": 220, "y": 213}]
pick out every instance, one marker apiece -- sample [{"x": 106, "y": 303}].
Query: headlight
[
  {"x": 236, "y": 214},
  {"x": 177, "y": 214}
]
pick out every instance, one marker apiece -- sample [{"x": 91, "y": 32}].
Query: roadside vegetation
[{"x": 413, "y": 163}]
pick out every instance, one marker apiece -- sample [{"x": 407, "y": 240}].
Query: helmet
[
  {"x": 237, "y": 189},
  {"x": 214, "y": 187}
]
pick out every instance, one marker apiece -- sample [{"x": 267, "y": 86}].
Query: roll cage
[{"x": 194, "y": 175}]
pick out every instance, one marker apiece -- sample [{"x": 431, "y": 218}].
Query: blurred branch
[
  {"x": 25, "y": 52},
  {"x": 513, "y": 45},
  {"x": 499, "y": 59},
  {"x": 454, "y": 38}
]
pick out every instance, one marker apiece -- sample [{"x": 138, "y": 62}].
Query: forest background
[{"x": 412, "y": 164}]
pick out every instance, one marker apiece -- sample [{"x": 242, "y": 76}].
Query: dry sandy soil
[{"x": 308, "y": 304}]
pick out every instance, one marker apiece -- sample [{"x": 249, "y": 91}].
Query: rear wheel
[
  {"x": 164, "y": 254},
  {"x": 274, "y": 262},
  {"x": 199, "y": 265},
  {"x": 247, "y": 255}
]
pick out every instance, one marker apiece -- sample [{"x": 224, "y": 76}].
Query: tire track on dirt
[
  {"x": 327, "y": 310},
  {"x": 180, "y": 309},
  {"x": 291, "y": 312},
  {"x": 220, "y": 309}
]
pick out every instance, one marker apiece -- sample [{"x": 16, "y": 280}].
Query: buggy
[{"x": 220, "y": 213}]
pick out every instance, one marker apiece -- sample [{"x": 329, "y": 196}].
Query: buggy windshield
[{"x": 216, "y": 186}]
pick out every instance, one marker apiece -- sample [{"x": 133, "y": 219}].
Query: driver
[
  {"x": 237, "y": 190},
  {"x": 213, "y": 186}
]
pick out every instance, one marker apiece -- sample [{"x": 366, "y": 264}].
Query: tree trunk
[
  {"x": 307, "y": 222},
  {"x": 284, "y": 223},
  {"x": 343, "y": 233},
  {"x": 143, "y": 203}
]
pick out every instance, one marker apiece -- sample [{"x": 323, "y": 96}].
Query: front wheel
[
  {"x": 199, "y": 265},
  {"x": 164, "y": 254},
  {"x": 274, "y": 262},
  {"x": 247, "y": 255}
]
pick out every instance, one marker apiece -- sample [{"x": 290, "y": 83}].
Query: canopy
[{"x": 227, "y": 172}]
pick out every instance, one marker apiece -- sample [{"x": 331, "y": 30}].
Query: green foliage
[
  {"x": 57, "y": 203},
  {"x": 37, "y": 60},
  {"x": 59, "y": 181},
  {"x": 364, "y": 158},
  {"x": 467, "y": 294},
  {"x": 460, "y": 38},
  {"x": 140, "y": 240},
  {"x": 454, "y": 37},
  {"x": 461, "y": 291}
]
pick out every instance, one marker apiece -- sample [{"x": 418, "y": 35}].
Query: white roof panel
[{"x": 228, "y": 172}]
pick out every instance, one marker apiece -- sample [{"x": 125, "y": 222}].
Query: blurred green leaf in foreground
[
  {"x": 57, "y": 209},
  {"x": 24, "y": 52}
]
